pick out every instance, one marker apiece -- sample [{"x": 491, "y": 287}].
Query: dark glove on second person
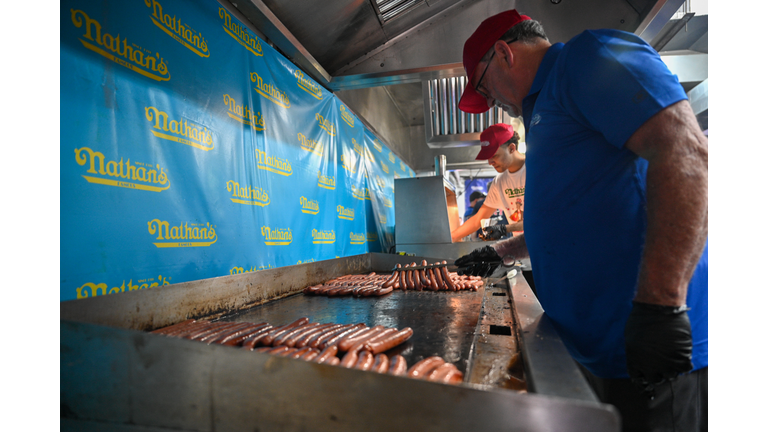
[
  {"x": 658, "y": 343},
  {"x": 494, "y": 232},
  {"x": 480, "y": 262}
]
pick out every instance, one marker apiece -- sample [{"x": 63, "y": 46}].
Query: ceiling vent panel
[{"x": 445, "y": 124}]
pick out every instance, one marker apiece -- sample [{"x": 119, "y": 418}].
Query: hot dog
[
  {"x": 397, "y": 366},
  {"x": 380, "y": 363},
  {"x": 349, "y": 359},
  {"x": 439, "y": 373},
  {"x": 389, "y": 341},
  {"x": 279, "y": 340},
  {"x": 327, "y": 353},
  {"x": 240, "y": 335},
  {"x": 347, "y": 343},
  {"x": 298, "y": 352},
  {"x": 280, "y": 330},
  {"x": 333, "y": 337},
  {"x": 403, "y": 284},
  {"x": 226, "y": 332},
  {"x": 309, "y": 329},
  {"x": 164, "y": 330},
  {"x": 334, "y": 340},
  {"x": 254, "y": 339},
  {"x": 304, "y": 339},
  {"x": 453, "y": 377},
  {"x": 333, "y": 361},
  {"x": 391, "y": 280},
  {"x": 447, "y": 278},
  {"x": 422, "y": 368},
  {"x": 310, "y": 355},
  {"x": 382, "y": 291},
  {"x": 383, "y": 332},
  {"x": 364, "y": 361}
]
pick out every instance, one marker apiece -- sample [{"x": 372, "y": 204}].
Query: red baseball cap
[
  {"x": 492, "y": 138},
  {"x": 475, "y": 48}
]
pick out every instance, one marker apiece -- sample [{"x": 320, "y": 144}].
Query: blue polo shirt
[{"x": 585, "y": 193}]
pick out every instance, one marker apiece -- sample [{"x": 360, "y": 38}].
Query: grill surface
[{"x": 443, "y": 322}]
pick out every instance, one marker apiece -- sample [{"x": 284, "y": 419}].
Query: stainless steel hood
[{"x": 377, "y": 55}]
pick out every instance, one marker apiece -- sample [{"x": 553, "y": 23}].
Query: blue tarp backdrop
[{"x": 191, "y": 149}]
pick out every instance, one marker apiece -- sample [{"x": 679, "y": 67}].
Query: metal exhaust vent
[
  {"x": 388, "y": 10},
  {"x": 445, "y": 124}
]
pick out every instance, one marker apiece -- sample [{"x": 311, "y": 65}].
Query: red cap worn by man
[
  {"x": 499, "y": 148},
  {"x": 475, "y": 48}
]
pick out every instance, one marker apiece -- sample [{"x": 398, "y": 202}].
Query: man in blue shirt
[{"x": 617, "y": 178}]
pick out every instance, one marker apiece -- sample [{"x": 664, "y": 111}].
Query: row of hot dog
[
  {"x": 435, "y": 279},
  {"x": 349, "y": 345}
]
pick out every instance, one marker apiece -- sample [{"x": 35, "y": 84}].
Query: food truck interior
[{"x": 267, "y": 172}]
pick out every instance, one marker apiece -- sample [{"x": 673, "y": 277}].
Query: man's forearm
[
  {"x": 513, "y": 246},
  {"x": 471, "y": 225},
  {"x": 677, "y": 206},
  {"x": 517, "y": 226}
]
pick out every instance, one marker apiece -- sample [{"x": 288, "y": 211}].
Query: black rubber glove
[
  {"x": 494, "y": 232},
  {"x": 658, "y": 343},
  {"x": 480, "y": 262}
]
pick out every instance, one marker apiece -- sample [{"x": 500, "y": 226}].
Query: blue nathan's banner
[{"x": 191, "y": 149}]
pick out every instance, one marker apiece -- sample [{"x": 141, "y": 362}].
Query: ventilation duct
[
  {"x": 388, "y": 10},
  {"x": 445, "y": 124}
]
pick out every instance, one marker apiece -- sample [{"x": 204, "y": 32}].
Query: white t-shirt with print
[{"x": 507, "y": 192}]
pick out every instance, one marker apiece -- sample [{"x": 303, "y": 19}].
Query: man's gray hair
[{"x": 526, "y": 32}]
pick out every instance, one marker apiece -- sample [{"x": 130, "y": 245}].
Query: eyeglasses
[{"x": 477, "y": 87}]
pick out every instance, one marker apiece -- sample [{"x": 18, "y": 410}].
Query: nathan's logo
[
  {"x": 372, "y": 237},
  {"x": 311, "y": 145},
  {"x": 357, "y": 239},
  {"x": 311, "y": 260},
  {"x": 325, "y": 125},
  {"x": 367, "y": 194},
  {"x": 103, "y": 289},
  {"x": 309, "y": 206},
  {"x": 181, "y": 131},
  {"x": 307, "y": 85},
  {"x": 347, "y": 117},
  {"x": 383, "y": 219},
  {"x": 402, "y": 166},
  {"x": 345, "y": 213},
  {"x": 358, "y": 193},
  {"x": 270, "y": 92},
  {"x": 357, "y": 147},
  {"x": 369, "y": 156},
  {"x": 380, "y": 182},
  {"x": 391, "y": 158},
  {"x": 240, "y": 34},
  {"x": 150, "y": 179},
  {"x": 514, "y": 193},
  {"x": 327, "y": 182},
  {"x": 184, "y": 235},
  {"x": 323, "y": 237},
  {"x": 273, "y": 164},
  {"x": 387, "y": 202},
  {"x": 384, "y": 167},
  {"x": 347, "y": 164},
  {"x": 240, "y": 270},
  {"x": 247, "y": 194},
  {"x": 377, "y": 145},
  {"x": 175, "y": 29},
  {"x": 243, "y": 114},
  {"x": 126, "y": 54},
  {"x": 276, "y": 236}
]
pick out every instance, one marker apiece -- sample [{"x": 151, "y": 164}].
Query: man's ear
[{"x": 504, "y": 52}]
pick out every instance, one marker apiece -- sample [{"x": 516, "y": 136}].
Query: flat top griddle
[{"x": 443, "y": 322}]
